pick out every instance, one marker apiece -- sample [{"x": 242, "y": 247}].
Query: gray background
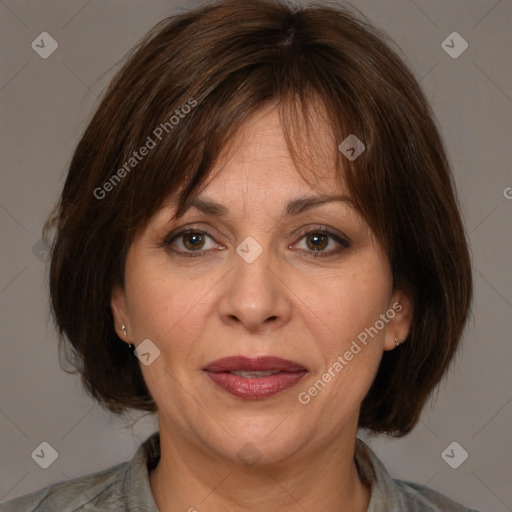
[{"x": 45, "y": 105}]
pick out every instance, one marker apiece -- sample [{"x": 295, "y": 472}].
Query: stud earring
[
  {"x": 397, "y": 342},
  {"x": 130, "y": 345}
]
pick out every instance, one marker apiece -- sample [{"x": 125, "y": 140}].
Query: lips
[
  {"x": 254, "y": 378},
  {"x": 258, "y": 364}
]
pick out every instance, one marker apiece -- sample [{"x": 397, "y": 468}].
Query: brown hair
[{"x": 225, "y": 61}]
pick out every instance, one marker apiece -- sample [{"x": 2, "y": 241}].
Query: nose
[{"x": 254, "y": 296}]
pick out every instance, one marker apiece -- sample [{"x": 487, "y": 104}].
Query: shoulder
[
  {"x": 96, "y": 492},
  {"x": 424, "y": 499},
  {"x": 388, "y": 493},
  {"x": 120, "y": 488}
]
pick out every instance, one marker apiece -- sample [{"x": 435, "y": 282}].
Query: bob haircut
[{"x": 182, "y": 93}]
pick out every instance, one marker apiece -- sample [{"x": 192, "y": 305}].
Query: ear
[
  {"x": 119, "y": 312},
  {"x": 400, "y": 324}
]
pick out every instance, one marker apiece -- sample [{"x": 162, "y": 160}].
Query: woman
[{"x": 259, "y": 240}]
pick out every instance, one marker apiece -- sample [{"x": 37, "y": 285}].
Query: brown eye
[
  {"x": 193, "y": 240},
  {"x": 190, "y": 241},
  {"x": 317, "y": 241}
]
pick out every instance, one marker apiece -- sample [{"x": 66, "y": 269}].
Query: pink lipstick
[{"x": 254, "y": 378}]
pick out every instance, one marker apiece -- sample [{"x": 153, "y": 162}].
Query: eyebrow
[{"x": 294, "y": 207}]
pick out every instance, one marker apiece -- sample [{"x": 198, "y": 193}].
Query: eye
[
  {"x": 197, "y": 243},
  {"x": 317, "y": 240},
  {"x": 190, "y": 241}
]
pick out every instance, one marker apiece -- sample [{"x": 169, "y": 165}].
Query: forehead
[
  {"x": 257, "y": 163},
  {"x": 256, "y": 177}
]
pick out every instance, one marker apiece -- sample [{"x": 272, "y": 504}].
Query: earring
[
  {"x": 130, "y": 345},
  {"x": 397, "y": 342}
]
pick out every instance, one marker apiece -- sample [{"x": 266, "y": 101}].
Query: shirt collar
[
  {"x": 384, "y": 494},
  {"x": 136, "y": 486}
]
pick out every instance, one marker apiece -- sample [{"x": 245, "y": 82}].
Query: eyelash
[{"x": 343, "y": 242}]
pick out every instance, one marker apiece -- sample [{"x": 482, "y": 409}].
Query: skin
[{"x": 286, "y": 303}]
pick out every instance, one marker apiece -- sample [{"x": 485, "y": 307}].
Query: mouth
[{"x": 254, "y": 378}]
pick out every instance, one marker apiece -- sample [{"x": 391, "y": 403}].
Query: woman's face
[{"x": 249, "y": 282}]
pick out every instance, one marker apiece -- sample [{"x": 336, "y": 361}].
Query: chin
[{"x": 259, "y": 440}]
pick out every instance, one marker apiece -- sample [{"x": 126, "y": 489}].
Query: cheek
[
  {"x": 170, "y": 311},
  {"x": 355, "y": 302},
  {"x": 163, "y": 306},
  {"x": 350, "y": 361}
]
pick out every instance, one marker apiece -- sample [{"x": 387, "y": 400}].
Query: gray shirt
[{"x": 126, "y": 488}]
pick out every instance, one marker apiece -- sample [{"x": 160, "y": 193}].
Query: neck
[{"x": 188, "y": 478}]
